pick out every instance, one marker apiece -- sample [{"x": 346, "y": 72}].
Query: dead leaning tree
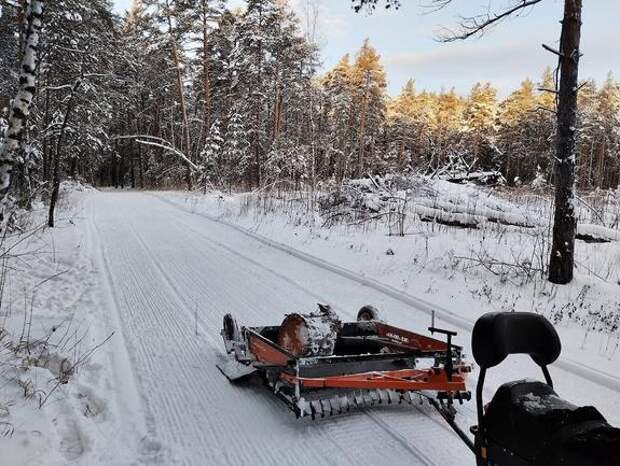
[{"x": 562, "y": 260}]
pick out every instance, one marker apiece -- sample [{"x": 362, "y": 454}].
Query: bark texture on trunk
[
  {"x": 20, "y": 107},
  {"x": 562, "y": 260},
  {"x": 206, "y": 81},
  {"x": 58, "y": 154},
  {"x": 186, "y": 137}
]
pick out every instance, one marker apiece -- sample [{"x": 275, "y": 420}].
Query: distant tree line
[{"x": 180, "y": 93}]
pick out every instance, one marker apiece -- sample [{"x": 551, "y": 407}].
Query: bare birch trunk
[{"x": 20, "y": 107}]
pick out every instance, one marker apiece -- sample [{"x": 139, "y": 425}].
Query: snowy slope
[{"x": 161, "y": 277}]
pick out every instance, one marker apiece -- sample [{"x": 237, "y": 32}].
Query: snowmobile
[
  {"x": 319, "y": 366},
  {"x": 527, "y": 423}
]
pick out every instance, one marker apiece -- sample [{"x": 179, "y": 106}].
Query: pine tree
[
  {"x": 368, "y": 79},
  {"x": 516, "y": 127},
  {"x": 237, "y": 158},
  {"x": 340, "y": 115},
  {"x": 480, "y": 125},
  {"x": 400, "y": 116},
  {"x": 211, "y": 156},
  {"x": 608, "y": 140}
]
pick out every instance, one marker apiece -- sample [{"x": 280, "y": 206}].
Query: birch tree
[{"x": 20, "y": 106}]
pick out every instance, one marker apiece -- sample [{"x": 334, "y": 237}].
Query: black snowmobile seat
[
  {"x": 499, "y": 334},
  {"x": 526, "y": 419},
  {"x": 531, "y": 420}
]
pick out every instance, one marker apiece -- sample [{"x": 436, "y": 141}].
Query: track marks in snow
[
  {"x": 568, "y": 366},
  {"x": 160, "y": 267}
]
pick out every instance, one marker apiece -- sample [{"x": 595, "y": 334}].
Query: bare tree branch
[
  {"x": 161, "y": 144},
  {"x": 473, "y": 25}
]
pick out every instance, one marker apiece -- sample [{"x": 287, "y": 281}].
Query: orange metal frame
[
  {"x": 409, "y": 339},
  {"x": 434, "y": 378},
  {"x": 405, "y": 379}
]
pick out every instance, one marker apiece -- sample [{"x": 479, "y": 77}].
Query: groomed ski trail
[
  {"x": 605, "y": 379},
  {"x": 173, "y": 271},
  {"x": 168, "y": 278}
]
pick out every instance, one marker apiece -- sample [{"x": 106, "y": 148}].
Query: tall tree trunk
[
  {"x": 132, "y": 166},
  {"x": 57, "y": 156},
  {"x": 186, "y": 137},
  {"x": 362, "y": 133},
  {"x": 206, "y": 81},
  {"x": 20, "y": 108},
  {"x": 258, "y": 107},
  {"x": 277, "y": 113},
  {"x": 562, "y": 258},
  {"x": 46, "y": 119}
]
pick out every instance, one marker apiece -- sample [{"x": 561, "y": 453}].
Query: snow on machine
[
  {"x": 320, "y": 366},
  {"x": 526, "y": 423}
]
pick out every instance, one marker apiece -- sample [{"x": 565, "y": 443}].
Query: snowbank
[{"x": 52, "y": 399}]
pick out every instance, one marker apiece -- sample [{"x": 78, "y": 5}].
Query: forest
[
  {"x": 194, "y": 94},
  {"x": 183, "y": 182}
]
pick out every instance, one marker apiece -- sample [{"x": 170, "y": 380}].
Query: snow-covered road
[{"x": 170, "y": 272}]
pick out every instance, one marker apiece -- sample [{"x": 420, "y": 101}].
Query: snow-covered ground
[
  {"x": 462, "y": 271},
  {"x": 58, "y": 396},
  {"x": 161, "y": 269}
]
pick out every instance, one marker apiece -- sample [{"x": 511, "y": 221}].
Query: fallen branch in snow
[
  {"x": 524, "y": 269},
  {"x": 449, "y": 219},
  {"x": 591, "y": 239},
  {"x": 596, "y": 234},
  {"x": 65, "y": 372}
]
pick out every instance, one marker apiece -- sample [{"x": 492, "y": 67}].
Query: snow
[
  {"x": 154, "y": 267},
  {"x": 535, "y": 403},
  {"x": 429, "y": 271}
]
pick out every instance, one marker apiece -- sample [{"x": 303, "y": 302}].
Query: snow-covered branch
[{"x": 161, "y": 144}]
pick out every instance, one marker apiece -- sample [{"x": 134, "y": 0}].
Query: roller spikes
[
  {"x": 360, "y": 399},
  {"x": 406, "y": 397}
]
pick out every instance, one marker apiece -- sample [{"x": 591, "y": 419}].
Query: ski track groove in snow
[
  {"x": 376, "y": 417},
  {"x": 398, "y": 437},
  {"x": 589, "y": 373},
  {"x": 195, "y": 413},
  {"x": 352, "y": 315},
  {"x": 173, "y": 270}
]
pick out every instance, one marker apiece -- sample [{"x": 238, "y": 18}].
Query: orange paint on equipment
[
  {"x": 265, "y": 352},
  {"x": 409, "y": 339},
  {"x": 405, "y": 379}
]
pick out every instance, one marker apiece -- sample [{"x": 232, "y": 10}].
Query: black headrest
[{"x": 498, "y": 334}]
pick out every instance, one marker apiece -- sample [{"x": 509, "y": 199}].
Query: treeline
[{"x": 196, "y": 94}]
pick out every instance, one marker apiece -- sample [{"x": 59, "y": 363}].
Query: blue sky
[{"x": 504, "y": 56}]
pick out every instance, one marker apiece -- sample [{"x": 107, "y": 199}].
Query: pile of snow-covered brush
[
  {"x": 432, "y": 200},
  {"x": 370, "y": 198}
]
